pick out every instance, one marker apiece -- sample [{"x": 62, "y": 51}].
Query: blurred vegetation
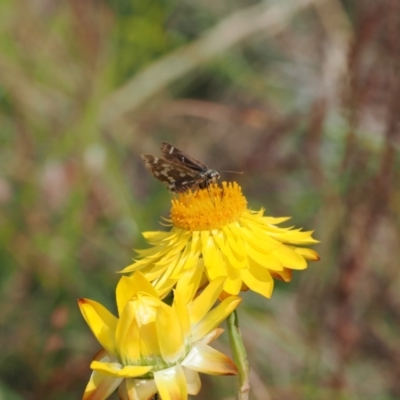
[{"x": 303, "y": 96}]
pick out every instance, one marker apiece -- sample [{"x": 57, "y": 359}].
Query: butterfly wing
[
  {"x": 177, "y": 176},
  {"x": 175, "y": 155}
]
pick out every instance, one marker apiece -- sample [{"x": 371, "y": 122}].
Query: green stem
[{"x": 239, "y": 356}]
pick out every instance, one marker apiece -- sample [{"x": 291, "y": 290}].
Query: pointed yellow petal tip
[{"x": 208, "y": 209}]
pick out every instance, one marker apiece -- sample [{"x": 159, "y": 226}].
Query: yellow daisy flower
[
  {"x": 153, "y": 347},
  {"x": 214, "y": 229}
]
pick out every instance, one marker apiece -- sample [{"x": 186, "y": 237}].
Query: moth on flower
[{"x": 178, "y": 170}]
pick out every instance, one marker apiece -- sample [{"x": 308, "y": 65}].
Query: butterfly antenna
[{"x": 234, "y": 172}]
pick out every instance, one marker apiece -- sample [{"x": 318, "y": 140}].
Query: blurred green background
[{"x": 302, "y": 96}]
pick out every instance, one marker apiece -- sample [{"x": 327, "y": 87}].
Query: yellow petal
[
  {"x": 196, "y": 241},
  {"x": 149, "y": 344},
  {"x": 101, "y": 386},
  {"x": 204, "y": 235},
  {"x": 236, "y": 233},
  {"x": 267, "y": 260},
  {"x": 308, "y": 254},
  {"x": 211, "y": 253},
  {"x": 204, "y": 302},
  {"x": 203, "y": 358},
  {"x": 188, "y": 284},
  {"x": 226, "y": 247},
  {"x": 142, "y": 285},
  {"x": 233, "y": 283},
  {"x": 258, "y": 279},
  {"x": 186, "y": 261},
  {"x": 160, "y": 254},
  {"x": 156, "y": 236},
  {"x": 214, "y": 317},
  {"x": 137, "y": 389},
  {"x": 127, "y": 336},
  {"x": 137, "y": 265},
  {"x": 145, "y": 310},
  {"x": 152, "y": 252},
  {"x": 128, "y": 287},
  {"x": 289, "y": 258},
  {"x": 167, "y": 274},
  {"x": 181, "y": 238},
  {"x": 274, "y": 220},
  {"x": 285, "y": 275},
  {"x": 170, "y": 335},
  {"x": 165, "y": 287},
  {"x": 171, "y": 383},
  {"x": 165, "y": 266},
  {"x": 102, "y": 323},
  {"x": 259, "y": 239},
  {"x": 293, "y": 236},
  {"x": 123, "y": 292},
  {"x": 181, "y": 310},
  {"x": 117, "y": 370},
  {"x": 217, "y": 270},
  {"x": 218, "y": 237}
]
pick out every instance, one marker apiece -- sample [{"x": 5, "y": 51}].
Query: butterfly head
[{"x": 212, "y": 175}]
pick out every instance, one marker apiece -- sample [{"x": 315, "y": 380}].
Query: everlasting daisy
[
  {"x": 213, "y": 229},
  {"x": 153, "y": 347}
]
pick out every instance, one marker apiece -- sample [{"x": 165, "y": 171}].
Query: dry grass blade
[{"x": 228, "y": 33}]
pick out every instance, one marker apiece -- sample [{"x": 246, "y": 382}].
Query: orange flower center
[{"x": 208, "y": 209}]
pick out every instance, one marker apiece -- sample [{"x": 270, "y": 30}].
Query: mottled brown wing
[
  {"x": 171, "y": 153},
  {"x": 178, "y": 177}
]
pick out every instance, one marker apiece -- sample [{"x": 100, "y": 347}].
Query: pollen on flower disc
[{"x": 208, "y": 209}]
